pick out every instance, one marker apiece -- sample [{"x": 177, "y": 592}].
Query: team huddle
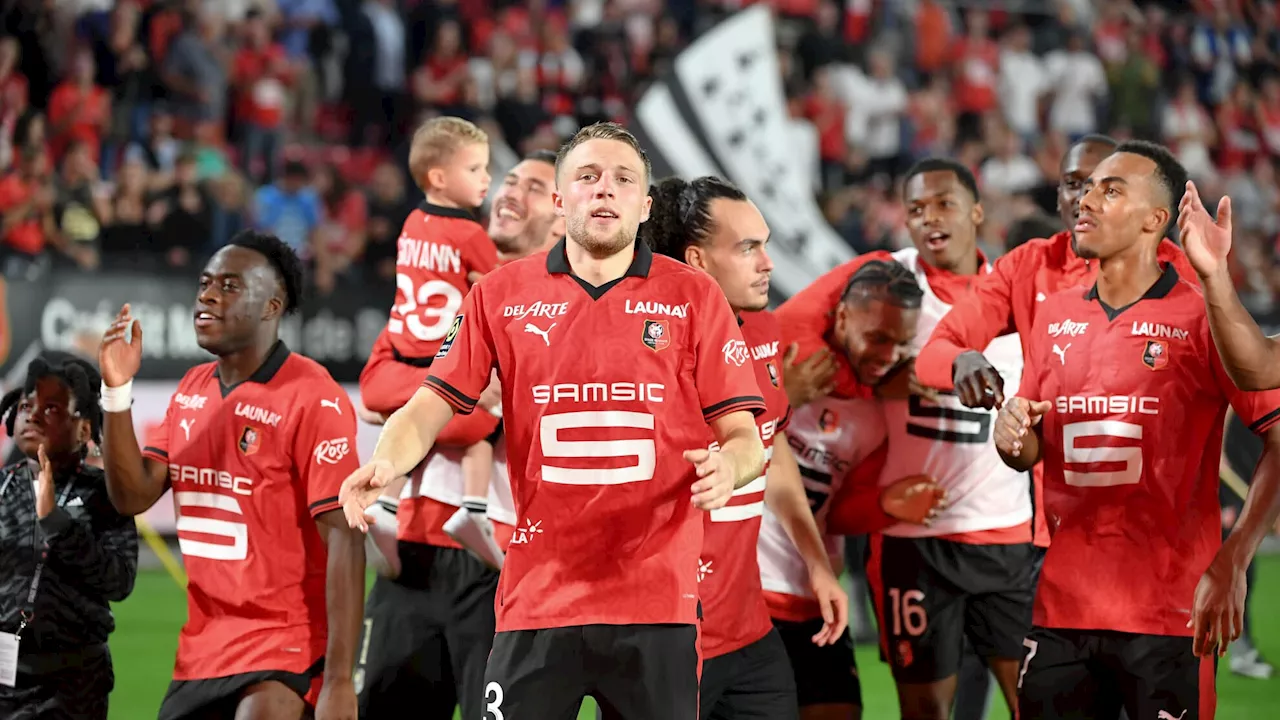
[{"x": 605, "y": 469}]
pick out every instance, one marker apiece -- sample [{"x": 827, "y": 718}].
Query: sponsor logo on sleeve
[
  {"x": 449, "y": 337},
  {"x": 735, "y": 353},
  {"x": 330, "y": 452}
]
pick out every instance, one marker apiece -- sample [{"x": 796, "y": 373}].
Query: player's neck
[
  {"x": 435, "y": 198},
  {"x": 236, "y": 367},
  {"x": 598, "y": 270},
  {"x": 1125, "y": 278}
]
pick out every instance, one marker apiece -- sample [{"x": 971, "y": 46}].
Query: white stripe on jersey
[
  {"x": 953, "y": 443},
  {"x": 829, "y": 437}
]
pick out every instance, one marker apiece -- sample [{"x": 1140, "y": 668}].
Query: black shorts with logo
[
  {"x": 634, "y": 672},
  {"x": 426, "y": 636},
  {"x": 218, "y": 698},
  {"x": 1088, "y": 674},
  {"x": 751, "y": 683},
  {"x": 934, "y": 593},
  {"x": 824, "y": 675}
]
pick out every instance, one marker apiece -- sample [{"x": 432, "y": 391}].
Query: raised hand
[
  {"x": 44, "y": 486},
  {"x": 1015, "y": 420},
  {"x": 809, "y": 380},
  {"x": 120, "y": 355},
  {"x": 1206, "y": 241}
]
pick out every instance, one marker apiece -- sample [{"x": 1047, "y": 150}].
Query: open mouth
[
  {"x": 507, "y": 212},
  {"x": 1085, "y": 223},
  {"x": 937, "y": 240},
  {"x": 604, "y": 215},
  {"x": 206, "y": 319}
]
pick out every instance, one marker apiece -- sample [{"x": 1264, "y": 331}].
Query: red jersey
[
  {"x": 251, "y": 466},
  {"x": 734, "y": 610},
  {"x": 1006, "y": 300},
  {"x": 437, "y": 249},
  {"x": 603, "y": 389},
  {"x": 1130, "y": 452}
]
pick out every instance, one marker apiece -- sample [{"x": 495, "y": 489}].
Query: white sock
[{"x": 475, "y": 505}]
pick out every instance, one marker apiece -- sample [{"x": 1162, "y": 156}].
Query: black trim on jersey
[
  {"x": 462, "y": 404},
  {"x": 418, "y": 362},
  {"x": 497, "y": 433},
  {"x": 753, "y": 403},
  {"x": 264, "y": 374},
  {"x": 165, "y": 455},
  {"x": 1165, "y": 285},
  {"x": 443, "y": 211},
  {"x": 641, "y": 263},
  {"x": 321, "y": 503},
  {"x": 1260, "y": 425}
]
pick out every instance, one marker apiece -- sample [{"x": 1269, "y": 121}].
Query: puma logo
[
  {"x": 1166, "y": 715},
  {"x": 331, "y": 404},
  {"x": 186, "y": 425},
  {"x": 531, "y": 328},
  {"x": 1061, "y": 352}
]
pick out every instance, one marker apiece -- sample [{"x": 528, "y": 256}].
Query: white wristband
[
  {"x": 496, "y": 411},
  {"x": 117, "y": 399}
]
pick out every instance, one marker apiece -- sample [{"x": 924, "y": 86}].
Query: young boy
[{"x": 441, "y": 252}]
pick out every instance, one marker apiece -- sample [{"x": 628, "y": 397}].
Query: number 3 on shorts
[
  {"x": 494, "y": 706},
  {"x": 1031, "y": 646}
]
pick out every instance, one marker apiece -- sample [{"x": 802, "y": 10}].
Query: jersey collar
[
  {"x": 442, "y": 211},
  {"x": 558, "y": 261},
  {"x": 1162, "y": 287},
  {"x": 263, "y": 375}
]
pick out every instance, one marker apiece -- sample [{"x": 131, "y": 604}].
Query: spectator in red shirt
[
  {"x": 260, "y": 75},
  {"x": 26, "y": 213},
  {"x": 827, "y": 113},
  {"x": 79, "y": 109},
  {"x": 977, "y": 73}
]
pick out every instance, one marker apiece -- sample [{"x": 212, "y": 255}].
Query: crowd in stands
[{"x": 144, "y": 133}]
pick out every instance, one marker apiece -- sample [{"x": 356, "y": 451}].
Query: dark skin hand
[
  {"x": 977, "y": 382},
  {"x": 809, "y": 380}
]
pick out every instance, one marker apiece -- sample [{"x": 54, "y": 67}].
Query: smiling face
[
  {"x": 603, "y": 195},
  {"x": 943, "y": 218},
  {"x": 524, "y": 213},
  {"x": 875, "y": 336},
  {"x": 238, "y": 291}
]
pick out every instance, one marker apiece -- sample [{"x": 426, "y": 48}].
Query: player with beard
[
  {"x": 254, "y": 446},
  {"x": 1123, "y": 399},
  {"x": 428, "y": 631},
  {"x": 607, "y": 396},
  {"x": 711, "y": 225}
]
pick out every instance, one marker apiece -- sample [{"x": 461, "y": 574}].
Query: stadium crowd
[{"x": 150, "y": 131}]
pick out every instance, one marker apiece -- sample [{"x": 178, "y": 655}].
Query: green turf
[{"x": 146, "y": 638}]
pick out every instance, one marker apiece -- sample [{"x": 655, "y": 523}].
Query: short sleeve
[
  {"x": 155, "y": 442},
  {"x": 324, "y": 449},
  {"x": 1258, "y": 410},
  {"x": 722, "y": 373},
  {"x": 460, "y": 371}
]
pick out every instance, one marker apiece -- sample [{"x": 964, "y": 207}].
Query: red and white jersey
[
  {"x": 734, "y": 613},
  {"x": 251, "y": 466},
  {"x": 830, "y": 437},
  {"x": 1130, "y": 451},
  {"x": 953, "y": 443},
  {"x": 603, "y": 389},
  {"x": 437, "y": 249}
]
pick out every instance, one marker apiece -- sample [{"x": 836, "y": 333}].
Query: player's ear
[
  {"x": 977, "y": 214},
  {"x": 648, "y": 205},
  {"x": 557, "y": 202},
  {"x": 1157, "y": 221},
  {"x": 695, "y": 256},
  {"x": 274, "y": 307},
  {"x": 435, "y": 177}
]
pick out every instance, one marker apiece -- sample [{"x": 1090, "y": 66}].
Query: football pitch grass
[{"x": 147, "y": 627}]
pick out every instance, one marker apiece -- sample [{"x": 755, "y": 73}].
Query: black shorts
[
  {"x": 634, "y": 672},
  {"x": 755, "y": 681},
  {"x": 1087, "y": 674},
  {"x": 218, "y": 698},
  {"x": 824, "y": 675},
  {"x": 934, "y": 593},
  {"x": 426, "y": 636}
]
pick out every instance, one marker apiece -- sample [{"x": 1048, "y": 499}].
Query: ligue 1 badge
[
  {"x": 250, "y": 440},
  {"x": 1155, "y": 355},
  {"x": 449, "y": 337},
  {"x": 773, "y": 373},
  {"x": 655, "y": 335}
]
